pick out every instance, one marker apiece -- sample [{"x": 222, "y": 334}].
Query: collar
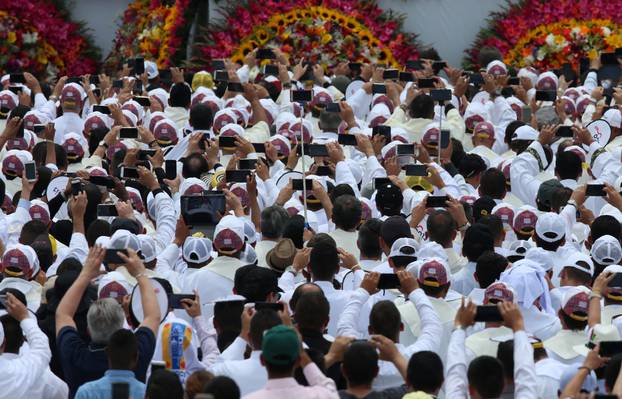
[
  {"x": 326, "y": 286},
  {"x": 281, "y": 383},
  {"x": 120, "y": 373}
]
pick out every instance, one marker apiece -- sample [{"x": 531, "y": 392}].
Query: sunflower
[
  {"x": 262, "y": 35},
  {"x": 365, "y": 36},
  {"x": 275, "y": 22},
  {"x": 289, "y": 17},
  {"x": 307, "y": 14},
  {"x": 384, "y": 55},
  {"x": 247, "y": 47},
  {"x": 351, "y": 24},
  {"x": 325, "y": 13}
]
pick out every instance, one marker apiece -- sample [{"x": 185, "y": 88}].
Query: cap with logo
[
  {"x": 20, "y": 261},
  {"x": 229, "y": 235},
  {"x": 499, "y": 292},
  {"x": 433, "y": 273},
  {"x": 575, "y": 303},
  {"x": 525, "y": 220}
]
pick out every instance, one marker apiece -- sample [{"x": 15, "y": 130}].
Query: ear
[
  {"x": 454, "y": 234},
  {"x": 475, "y": 277},
  {"x": 370, "y": 330},
  {"x": 401, "y": 327}
]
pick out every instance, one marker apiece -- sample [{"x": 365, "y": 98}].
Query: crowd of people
[{"x": 276, "y": 229}]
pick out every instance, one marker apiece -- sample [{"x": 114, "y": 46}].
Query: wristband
[
  {"x": 152, "y": 142},
  {"x": 595, "y": 294},
  {"x": 589, "y": 370},
  {"x": 139, "y": 275}
]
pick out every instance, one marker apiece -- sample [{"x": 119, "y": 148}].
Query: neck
[
  {"x": 360, "y": 391},
  {"x": 365, "y": 257},
  {"x": 276, "y": 376}
]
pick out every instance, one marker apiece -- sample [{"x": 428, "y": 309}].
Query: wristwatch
[
  {"x": 572, "y": 203},
  {"x": 103, "y": 144},
  {"x": 291, "y": 270}
]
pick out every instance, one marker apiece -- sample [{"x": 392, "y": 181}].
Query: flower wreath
[
  {"x": 39, "y": 37},
  {"x": 320, "y": 31},
  {"x": 547, "y": 34}
]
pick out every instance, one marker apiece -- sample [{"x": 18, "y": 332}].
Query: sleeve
[
  {"x": 456, "y": 385},
  {"x": 431, "y": 328},
  {"x": 603, "y": 165},
  {"x": 46, "y": 106},
  {"x": 502, "y": 113},
  {"x": 451, "y": 187},
  {"x": 524, "y": 368},
  {"x": 343, "y": 175},
  {"x": 349, "y": 319},
  {"x": 235, "y": 351},
  {"x": 207, "y": 337},
  {"x": 258, "y": 133},
  {"x": 287, "y": 281},
  {"x": 165, "y": 220},
  {"x": 360, "y": 102},
  {"x": 78, "y": 247},
  {"x": 315, "y": 378},
  {"x": 591, "y": 82},
  {"x": 522, "y": 172},
  {"x": 31, "y": 366},
  {"x": 372, "y": 169},
  {"x": 456, "y": 125}
]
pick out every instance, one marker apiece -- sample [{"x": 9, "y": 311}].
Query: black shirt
[{"x": 84, "y": 362}]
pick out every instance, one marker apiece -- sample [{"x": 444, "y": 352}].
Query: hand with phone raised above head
[
  {"x": 245, "y": 318},
  {"x": 547, "y": 134},
  {"x": 147, "y": 179},
  {"x": 92, "y": 265},
  {"x": 408, "y": 282},
  {"x": 512, "y": 317},
  {"x": 233, "y": 203},
  {"x": 299, "y": 70},
  {"x": 465, "y": 316},
  {"x": 387, "y": 349},
  {"x": 16, "y": 308},
  {"x": 613, "y": 196},
  {"x": 301, "y": 259},
  {"x": 192, "y": 306},
  {"x": 370, "y": 282}
]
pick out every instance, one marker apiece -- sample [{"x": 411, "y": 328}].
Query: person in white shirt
[
  {"x": 346, "y": 215},
  {"x": 273, "y": 221},
  {"x": 477, "y": 240},
  {"x": 578, "y": 271},
  {"x": 26, "y": 375},
  {"x": 485, "y": 373}
]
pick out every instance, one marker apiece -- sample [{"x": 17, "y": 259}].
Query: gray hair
[
  {"x": 273, "y": 220},
  {"x": 105, "y": 316}
]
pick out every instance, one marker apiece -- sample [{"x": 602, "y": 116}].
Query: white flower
[
  {"x": 576, "y": 31},
  {"x": 541, "y": 54},
  {"x": 29, "y": 38},
  {"x": 550, "y": 39},
  {"x": 606, "y": 31}
]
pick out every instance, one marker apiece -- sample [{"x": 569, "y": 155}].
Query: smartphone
[
  {"x": 271, "y": 70},
  {"x": 427, "y": 83},
  {"x": 595, "y": 190},
  {"x": 170, "y": 167},
  {"x": 314, "y": 150},
  {"x": 139, "y": 66},
  {"x": 247, "y": 164},
  {"x": 437, "y": 66},
  {"x": 226, "y": 141},
  {"x": 381, "y": 181},
  {"x": 16, "y": 89},
  {"x": 117, "y": 84},
  {"x": 277, "y": 307},
  {"x": 221, "y": 76},
  {"x": 440, "y": 94},
  {"x": 237, "y": 176},
  {"x": 323, "y": 170},
  {"x": 546, "y": 95},
  {"x": 332, "y": 107},
  {"x": 488, "y": 313},
  {"x": 616, "y": 281},
  {"x": 235, "y": 87},
  {"x": 142, "y": 100},
  {"x": 382, "y": 130},
  {"x": 390, "y": 74},
  {"x": 406, "y": 77},
  {"x": 94, "y": 79},
  {"x": 143, "y": 155},
  {"x": 17, "y": 78},
  {"x": 101, "y": 108},
  {"x": 76, "y": 187},
  {"x": 527, "y": 115},
  {"x": 514, "y": 81},
  {"x": 259, "y": 147},
  {"x": 301, "y": 96},
  {"x": 476, "y": 79},
  {"x": 128, "y": 133},
  {"x": 610, "y": 348},
  {"x": 112, "y": 257},
  {"x": 103, "y": 181},
  {"x": 388, "y": 281},
  {"x": 174, "y": 300},
  {"x": 378, "y": 88},
  {"x": 129, "y": 173},
  {"x": 218, "y": 65},
  {"x": 416, "y": 170},
  {"x": 297, "y": 184},
  {"x": 106, "y": 210},
  {"x": 608, "y": 59},
  {"x": 564, "y": 131},
  {"x": 203, "y": 210},
  {"x": 265, "y": 54},
  {"x": 355, "y": 66},
  {"x": 38, "y": 128},
  {"x": 598, "y": 396},
  {"x": 436, "y": 201},
  {"x": 405, "y": 149},
  {"x": 414, "y": 65},
  {"x": 30, "y": 169},
  {"x": 157, "y": 365},
  {"x": 346, "y": 139}
]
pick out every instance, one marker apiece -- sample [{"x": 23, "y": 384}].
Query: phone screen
[
  {"x": 390, "y": 74},
  {"x": 112, "y": 257},
  {"x": 488, "y": 313},
  {"x": 226, "y": 141},
  {"x": 346, "y": 139},
  {"x": 564, "y": 131},
  {"x": 248, "y": 164},
  {"x": 445, "y": 138},
  {"x": 129, "y": 173},
  {"x": 436, "y": 201},
  {"x": 427, "y": 83},
  {"x": 175, "y": 300},
  {"x": 388, "y": 281},
  {"x": 277, "y": 307},
  {"x": 416, "y": 170},
  {"x": 378, "y": 88},
  {"x": 31, "y": 171},
  {"x": 128, "y": 133},
  {"x": 595, "y": 190},
  {"x": 546, "y": 95},
  {"x": 237, "y": 176},
  {"x": 405, "y": 149},
  {"x": 106, "y": 210},
  {"x": 297, "y": 184},
  {"x": 381, "y": 181},
  {"x": 235, "y": 87},
  {"x": 170, "y": 167},
  {"x": 299, "y": 96}
]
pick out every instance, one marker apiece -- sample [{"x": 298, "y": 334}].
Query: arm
[
  {"x": 314, "y": 376},
  {"x": 349, "y": 319},
  {"x": 591, "y": 362},
  {"x": 522, "y": 172},
  {"x": 594, "y": 311},
  {"x": 456, "y": 385}
]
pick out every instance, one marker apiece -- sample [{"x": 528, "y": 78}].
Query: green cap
[{"x": 280, "y": 346}]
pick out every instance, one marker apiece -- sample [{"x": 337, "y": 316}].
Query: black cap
[
  {"x": 389, "y": 197},
  {"x": 483, "y": 207},
  {"x": 255, "y": 282},
  {"x": 393, "y": 228},
  {"x": 471, "y": 165}
]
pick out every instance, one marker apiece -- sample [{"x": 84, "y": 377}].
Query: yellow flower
[
  {"x": 42, "y": 59},
  {"x": 262, "y": 35},
  {"x": 11, "y": 37},
  {"x": 326, "y": 38}
]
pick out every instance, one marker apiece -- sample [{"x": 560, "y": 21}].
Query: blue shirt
[{"x": 102, "y": 388}]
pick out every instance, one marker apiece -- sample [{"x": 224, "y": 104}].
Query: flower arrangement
[
  {"x": 547, "y": 34},
  {"x": 320, "y": 31},
  {"x": 38, "y": 36},
  {"x": 157, "y": 30}
]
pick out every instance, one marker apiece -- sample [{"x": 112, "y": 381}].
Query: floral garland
[
  {"x": 321, "y": 31},
  {"x": 39, "y": 37},
  {"x": 547, "y": 34},
  {"x": 155, "y": 29}
]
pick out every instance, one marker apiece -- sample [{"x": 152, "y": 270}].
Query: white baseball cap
[
  {"x": 405, "y": 247},
  {"x": 123, "y": 239},
  {"x": 606, "y": 250},
  {"x": 525, "y": 132},
  {"x": 613, "y": 116},
  {"x": 581, "y": 262},
  {"x": 518, "y": 249},
  {"x": 152, "y": 69},
  {"x": 197, "y": 249},
  {"x": 550, "y": 227},
  {"x": 147, "y": 247}
]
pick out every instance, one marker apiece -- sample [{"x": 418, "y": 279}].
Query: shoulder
[
  {"x": 144, "y": 336},
  {"x": 68, "y": 334}
]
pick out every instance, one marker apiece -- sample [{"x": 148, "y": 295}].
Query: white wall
[{"x": 449, "y": 25}]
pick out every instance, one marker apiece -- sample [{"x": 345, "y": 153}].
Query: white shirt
[
  {"x": 464, "y": 281},
  {"x": 548, "y": 374},
  {"x": 69, "y": 122},
  {"x": 346, "y": 240},
  {"x": 261, "y": 249},
  {"x": 249, "y": 374},
  {"x": 23, "y": 376}
]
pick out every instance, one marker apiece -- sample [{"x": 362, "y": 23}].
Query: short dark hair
[
  {"x": 223, "y": 387},
  {"x": 385, "y": 319},
  {"x": 339, "y": 190},
  {"x": 360, "y": 363},
  {"x": 32, "y": 230},
  {"x": 324, "y": 261},
  {"x": 13, "y": 335},
  {"x": 560, "y": 198},
  {"x": 393, "y": 228},
  {"x": 312, "y": 311},
  {"x": 227, "y": 319},
  {"x": 495, "y": 224},
  {"x": 201, "y": 117},
  {"x": 422, "y": 106},
  {"x": 368, "y": 243},
  {"x": 321, "y": 238},
  {"x": 122, "y": 349},
  {"x": 425, "y": 372},
  {"x": 573, "y": 273},
  {"x": 347, "y": 212},
  {"x": 97, "y": 229},
  {"x": 572, "y": 324},
  {"x": 485, "y": 375},
  {"x": 505, "y": 354},
  {"x": 548, "y": 246},
  {"x": 477, "y": 240},
  {"x": 329, "y": 121},
  {"x": 605, "y": 225},
  {"x": 489, "y": 267},
  {"x": 180, "y": 95},
  {"x": 441, "y": 227},
  {"x": 164, "y": 384},
  {"x": 568, "y": 165},
  {"x": 510, "y": 129},
  {"x": 492, "y": 183},
  {"x": 294, "y": 230},
  {"x": 273, "y": 220},
  {"x": 264, "y": 319}
]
